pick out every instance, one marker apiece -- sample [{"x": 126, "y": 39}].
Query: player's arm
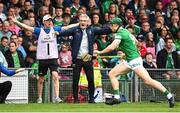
[
  {"x": 110, "y": 48},
  {"x": 4, "y": 70},
  {"x": 22, "y": 25},
  {"x": 134, "y": 38},
  {"x": 69, "y": 26}
]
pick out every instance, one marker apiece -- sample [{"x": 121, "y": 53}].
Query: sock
[
  {"x": 116, "y": 94},
  {"x": 57, "y": 97},
  {"x": 167, "y": 94},
  {"x": 40, "y": 98}
]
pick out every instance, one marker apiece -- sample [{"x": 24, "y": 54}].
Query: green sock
[
  {"x": 116, "y": 92},
  {"x": 167, "y": 94}
]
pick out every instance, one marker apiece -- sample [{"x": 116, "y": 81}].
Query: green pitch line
[{"x": 100, "y": 107}]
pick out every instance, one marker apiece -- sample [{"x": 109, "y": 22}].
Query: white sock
[
  {"x": 57, "y": 97},
  {"x": 40, "y": 98},
  {"x": 169, "y": 95},
  {"x": 117, "y": 96}
]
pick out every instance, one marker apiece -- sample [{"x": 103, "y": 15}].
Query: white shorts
[{"x": 133, "y": 64}]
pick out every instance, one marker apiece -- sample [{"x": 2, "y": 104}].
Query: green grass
[{"x": 100, "y": 107}]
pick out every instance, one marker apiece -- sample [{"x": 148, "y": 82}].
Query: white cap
[{"x": 47, "y": 17}]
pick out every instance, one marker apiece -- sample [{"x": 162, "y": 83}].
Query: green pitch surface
[{"x": 100, "y": 107}]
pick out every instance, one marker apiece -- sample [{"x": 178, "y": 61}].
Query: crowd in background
[{"x": 154, "y": 23}]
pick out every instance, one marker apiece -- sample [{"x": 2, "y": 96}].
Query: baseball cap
[
  {"x": 47, "y": 17},
  {"x": 116, "y": 21}
]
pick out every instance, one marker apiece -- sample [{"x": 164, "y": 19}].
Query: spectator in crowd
[
  {"x": 113, "y": 9},
  {"x": 128, "y": 12},
  {"x": 47, "y": 57},
  {"x": 164, "y": 33},
  {"x": 11, "y": 11},
  {"x": 167, "y": 58},
  {"x": 59, "y": 3},
  {"x": 172, "y": 5},
  {"x": 17, "y": 12},
  {"x": 5, "y": 87},
  {"x": 27, "y": 6},
  {"x": 141, "y": 46},
  {"x": 111, "y": 16},
  {"x": 14, "y": 38},
  {"x": 29, "y": 44},
  {"x": 148, "y": 62},
  {"x": 1, "y": 24},
  {"x": 91, "y": 6},
  {"x": 65, "y": 58},
  {"x": 82, "y": 50},
  {"x": 78, "y": 13},
  {"x": 105, "y": 6},
  {"x": 134, "y": 63},
  {"x": 102, "y": 42},
  {"x": 67, "y": 10},
  {"x": 42, "y": 11},
  {"x": 20, "y": 46},
  {"x": 145, "y": 29},
  {"x": 48, "y": 4},
  {"x": 58, "y": 19},
  {"x": 106, "y": 18},
  {"x": 32, "y": 21},
  {"x": 177, "y": 42},
  {"x": 75, "y": 6},
  {"x": 13, "y": 2},
  {"x": 4, "y": 44},
  {"x": 3, "y": 60},
  {"x": 143, "y": 4},
  {"x": 65, "y": 39},
  {"x": 150, "y": 43},
  {"x": 13, "y": 27},
  {"x": 133, "y": 4},
  {"x": 96, "y": 20},
  {"x": 5, "y": 30},
  {"x": 122, "y": 10},
  {"x": 174, "y": 24},
  {"x": 131, "y": 23},
  {"x": 2, "y": 15},
  {"x": 14, "y": 57},
  {"x": 142, "y": 17},
  {"x": 66, "y": 19},
  {"x": 30, "y": 14}
]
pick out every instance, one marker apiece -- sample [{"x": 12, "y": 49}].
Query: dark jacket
[
  {"x": 162, "y": 59},
  {"x": 10, "y": 60},
  {"x": 77, "y": 34}
]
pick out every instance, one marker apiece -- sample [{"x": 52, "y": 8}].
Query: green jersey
[{"x": 127, "y": 44}]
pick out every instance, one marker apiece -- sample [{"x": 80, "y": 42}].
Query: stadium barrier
[{"x": 133, "y": 89}]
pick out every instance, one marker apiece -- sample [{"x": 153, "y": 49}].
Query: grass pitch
[{"x": 100, "y": 107}]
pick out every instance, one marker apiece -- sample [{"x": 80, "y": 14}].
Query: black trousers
[
  {"x": 5, "y": 88},
  {"x": 88, "y": 68}
]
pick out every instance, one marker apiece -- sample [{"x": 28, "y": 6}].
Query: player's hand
[
  {"x": 20, "y": 70},
  {"x": 12, "y": 18},
  {"x": 96, "y": 52}
]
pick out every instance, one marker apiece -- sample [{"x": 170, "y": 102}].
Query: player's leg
[
  {"x": 5, "y": 88},
  {"x": 144, "y": 75},
  {"x": 88, "y": 68},
  {"x": 40, "y": 88},
  {"x": 120, "y": 69},
  {"x": 77, "y": 67},
  {"x": 53, "y": 65},
  {"x": 42, "y": 67}
]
